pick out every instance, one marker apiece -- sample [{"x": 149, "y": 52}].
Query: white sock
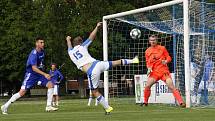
[
  {"x": 198, "y": 98},
  {"x": 50, "y": 92},
  {"x": 102, "y": 101},
  {"x": 12, "y": 99},
  {"x": 126, "y": 61},
  {"x": 90, "y": 98},
  {"x": 193, "y": 98},
  {"x": 89, "y": 101},
  {"x": 96, "y": 103},
  {"x": 53, "y": 103}
]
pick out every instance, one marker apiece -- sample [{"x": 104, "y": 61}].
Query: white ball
[
  {"x": 39, "y": 83},
  {"x": 135, "y": 33}
]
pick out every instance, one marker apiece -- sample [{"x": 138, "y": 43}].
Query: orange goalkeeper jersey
[{"x": 154, "y": 57}]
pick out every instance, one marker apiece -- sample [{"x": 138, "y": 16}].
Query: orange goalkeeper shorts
[{"x": 162, "y": 75}]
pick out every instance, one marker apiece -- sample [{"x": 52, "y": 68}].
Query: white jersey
[
  {"x": 80, "y": 55},
  {"x": 193, "y": 71}
]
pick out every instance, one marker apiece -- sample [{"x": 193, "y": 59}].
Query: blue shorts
[
  {"x": 31, "y": 79},
  {"x": 54, "y": 82}
]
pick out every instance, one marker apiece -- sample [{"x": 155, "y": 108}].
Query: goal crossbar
[{"x": 143, "y": 9}]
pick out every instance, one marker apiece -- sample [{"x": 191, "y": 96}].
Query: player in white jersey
[{"x": 78, "y": 52}]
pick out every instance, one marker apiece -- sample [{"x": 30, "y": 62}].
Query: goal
[{"x": 185, "y": 28}]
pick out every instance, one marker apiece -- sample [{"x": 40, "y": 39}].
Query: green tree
[
  {"x": 23, "y": 20},
  {"x": 15, "y": 38}
]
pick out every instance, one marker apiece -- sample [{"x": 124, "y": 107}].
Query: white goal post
[{"x": 185, "y": 33}]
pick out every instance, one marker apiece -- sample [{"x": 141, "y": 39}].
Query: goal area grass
[{"x": 124, "y": 110}]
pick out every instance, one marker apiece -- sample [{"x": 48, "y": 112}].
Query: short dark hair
[
  {"x": 54, "y": 64},
  {"x": 153, "y": 36},
  {"x": 39, "y": 38},
  {"x": 77, "y": 41}
]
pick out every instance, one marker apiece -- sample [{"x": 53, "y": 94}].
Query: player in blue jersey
[
  {"x": 33, "y": 74},
  {"x": 56, "y": 78},
  {"x": 194, "y": 69},
  {"x": 207, "y": 76},
  {"x": 78, "y": 52}
]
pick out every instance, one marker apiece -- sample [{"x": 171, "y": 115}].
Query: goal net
[{"x": 165, "y": 20}]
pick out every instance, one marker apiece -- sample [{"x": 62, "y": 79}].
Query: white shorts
[
  {"x": 56, "y": 89},
  {"x": 94, "y": 72}
]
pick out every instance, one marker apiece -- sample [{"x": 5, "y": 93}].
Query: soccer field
[{"x": 124, "y": 110}]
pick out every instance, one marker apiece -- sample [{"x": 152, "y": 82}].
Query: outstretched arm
[
  {"x": 33, "y": 63},
  {"x": 93, "y": 33},
  {"x": 69, "y": 44},
  {"x": 35, "y": 69}
]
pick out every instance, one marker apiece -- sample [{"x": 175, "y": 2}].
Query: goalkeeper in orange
[{"x": 157, "y": 58}]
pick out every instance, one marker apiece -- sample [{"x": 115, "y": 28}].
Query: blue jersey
[
  {"x": 55, "y": 75},
  {"x": 207, "y": 69},
  {"x": 35, "y": 58}
]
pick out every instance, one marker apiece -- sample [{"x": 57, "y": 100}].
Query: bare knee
[
  {"x": 170, "y": 84},
  {"x": 22, "y": 92},
  {"x": 96, "y": 93},
  {"x": 149, "y": 82},
  {"x": 116, "y": 63},
  {"x": 172, "y": 88}
]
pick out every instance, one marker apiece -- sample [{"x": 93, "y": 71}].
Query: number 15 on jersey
[{"x": 77, "y": 55}]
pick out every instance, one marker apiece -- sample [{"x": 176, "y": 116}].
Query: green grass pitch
[{"x": 124, "y": 110}]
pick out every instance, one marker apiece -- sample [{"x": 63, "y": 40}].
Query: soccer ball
[{"x": 135, "y": 33}]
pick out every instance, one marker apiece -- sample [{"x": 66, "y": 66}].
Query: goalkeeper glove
[{"x": 149, "y": 71}]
